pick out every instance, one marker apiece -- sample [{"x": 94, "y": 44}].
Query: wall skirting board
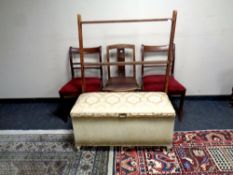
[
  {"x": 207, "y": 97},
  {"x": 28, "y": 100},
  {"x": 56, "y": 99}
]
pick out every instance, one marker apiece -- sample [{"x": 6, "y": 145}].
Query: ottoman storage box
[{"x": 123, "y": 119}]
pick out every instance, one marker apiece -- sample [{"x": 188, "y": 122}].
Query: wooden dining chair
[
  {"x": 156, "y": 81},
  {"x": 121, "y": 77},
  {"x": 73, "y": 88}
]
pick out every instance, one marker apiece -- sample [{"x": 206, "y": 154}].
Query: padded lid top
[{"x": 123, "y": 104}]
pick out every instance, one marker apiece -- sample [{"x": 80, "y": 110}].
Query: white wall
[{"x": 35, "y": 36}]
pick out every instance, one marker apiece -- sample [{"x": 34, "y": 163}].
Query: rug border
[
  {"x": 57, "y": 131},
  {"x": 70, "y": 131},
  {"x": 207, "y": 130}
]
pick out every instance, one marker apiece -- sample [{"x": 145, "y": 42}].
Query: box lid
[{"x": 123, "y": 104}]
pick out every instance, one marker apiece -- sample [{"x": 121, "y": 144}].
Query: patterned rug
[
  {"x": 49, "y": 154},
  {"x": 200, "y": 152}
]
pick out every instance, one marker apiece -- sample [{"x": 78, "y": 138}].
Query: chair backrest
[
  {"x": 149, "y": 49},
  {"x": 121, "y": 52},
  {"x": 94, "y": 53}
]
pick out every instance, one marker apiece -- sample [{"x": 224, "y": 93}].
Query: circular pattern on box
[
  {"x": 112, "y": 99},
  {"x": 133, "y": 99},
  {"x": 92, "y": 100}
]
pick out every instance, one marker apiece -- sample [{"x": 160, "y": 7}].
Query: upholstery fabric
[
  {"x": 156, "y": 83},
  {"x": 123, "y": 119},
  {"x": 74, "y": 86},
  {"x": 112, "y": 131},
  {"x": 133, "y": 104}
]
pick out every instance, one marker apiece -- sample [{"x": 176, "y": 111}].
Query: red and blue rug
[
  {"x": 199, "y": 152},
  {"x": 53, "y": 152}
]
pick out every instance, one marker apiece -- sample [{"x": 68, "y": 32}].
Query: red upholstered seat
[
  {"x": 156, "y": 83},
  {"x": 74, "y": 86},
  {"x": 93, "y": 83}
]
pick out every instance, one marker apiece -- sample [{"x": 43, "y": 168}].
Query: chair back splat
[{"x": 121, "y": 81}]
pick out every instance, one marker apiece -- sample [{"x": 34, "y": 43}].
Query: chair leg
[
  {"x": 63, "y": 108},
  {"x": 181, "y": 106}
]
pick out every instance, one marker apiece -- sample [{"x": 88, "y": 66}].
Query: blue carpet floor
[
  {"x": 206, "y": 114},
  {"x": 198, "y": 115}
]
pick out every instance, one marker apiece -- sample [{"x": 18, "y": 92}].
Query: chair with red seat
[
  {"x": 73, "y": 88},
  {"x": 156, "y": 81}
]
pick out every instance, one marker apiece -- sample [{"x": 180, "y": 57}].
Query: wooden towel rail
[
  {"x": 170, "y": 46},
  {"x": 126, "y": 21},
  {"x": 126, "y": 63}
]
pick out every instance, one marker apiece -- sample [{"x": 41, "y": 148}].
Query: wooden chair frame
[
  {"x": 77, "y": 66},
  {"x": 94, "y": 50},
  {"x": 163, "y": 48},
  {"x": 121, "y": 82},
  {"x": 120, "y": 46},
  {"x": 171, "y": 40}
]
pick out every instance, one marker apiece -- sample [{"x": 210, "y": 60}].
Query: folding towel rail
[{"x": 171, "y": 41}]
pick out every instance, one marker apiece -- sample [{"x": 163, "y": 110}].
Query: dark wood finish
[
  {"x": 121, "y": 82},
  {"x": 121, "y": 58},
  {"x": 120, "y": 54},
  {"x": 79, "y": 65},
  {"x": 159, "y": 63}
]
